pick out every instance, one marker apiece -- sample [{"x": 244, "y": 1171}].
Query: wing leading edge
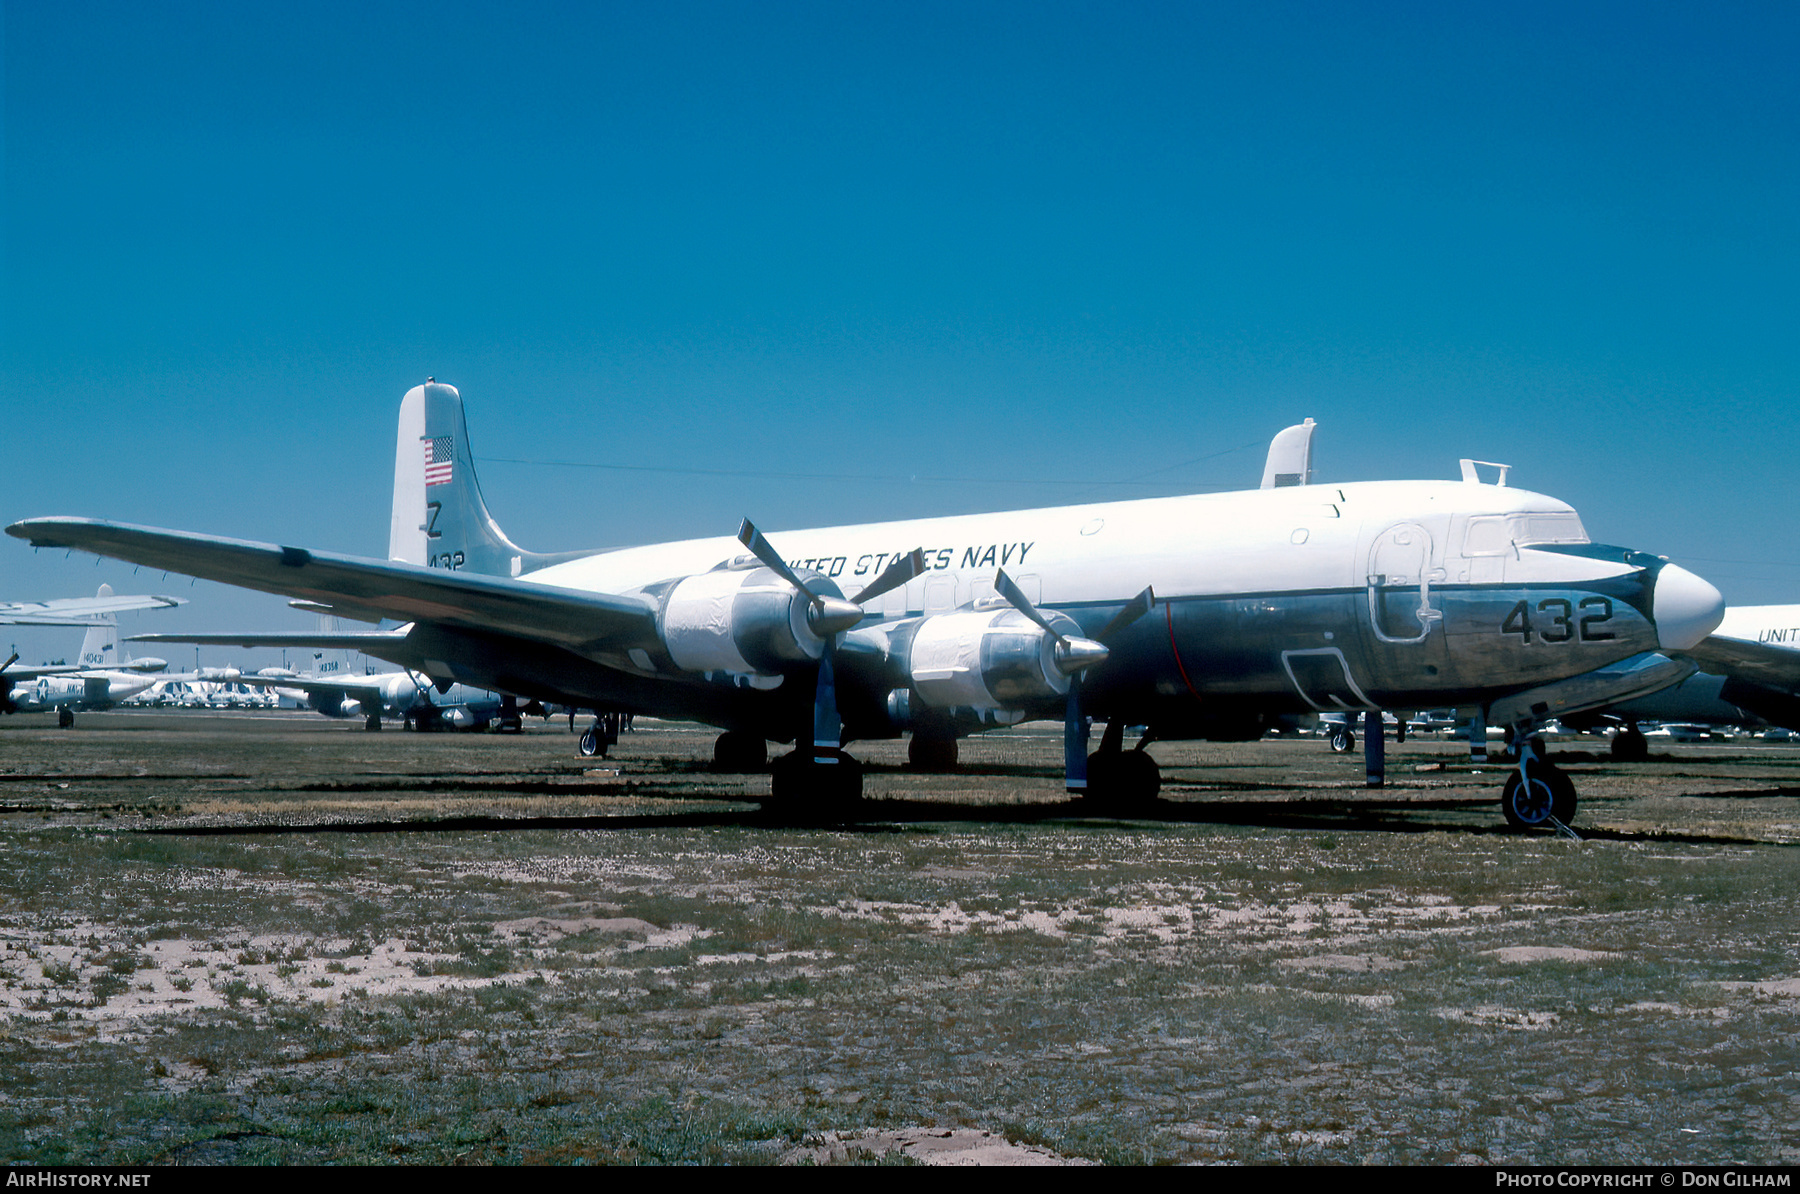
[
  {"x": 568, "y": 618},
  {"x": 78, "y": 611}
]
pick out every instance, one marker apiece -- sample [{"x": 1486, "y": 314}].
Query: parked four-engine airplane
[
  {"x": 1293, "y": 598},
  {"x": 408, "y": 697}
]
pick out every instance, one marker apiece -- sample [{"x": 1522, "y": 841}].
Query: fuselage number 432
[{"x": 1559, "y": 620}]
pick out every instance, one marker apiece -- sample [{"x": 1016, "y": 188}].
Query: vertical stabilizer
[
  {"x": 100, "y": 648},
  {"x": 1290, "y": 457},
  {"x": 439, "y": 518}
]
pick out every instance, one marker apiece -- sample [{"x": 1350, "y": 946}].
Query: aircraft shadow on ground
[{"x": 881, "y": 816}]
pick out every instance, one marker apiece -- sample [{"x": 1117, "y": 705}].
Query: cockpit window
[
  {"x": 1548, "y": 528},
  {"x": 1492, "y": 534}
]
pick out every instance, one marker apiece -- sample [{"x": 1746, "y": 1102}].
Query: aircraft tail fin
[
  {"x": 100, "y": 647},
  {"x": 1290, "y": 457},
  {"x": 439, "y": 518}
]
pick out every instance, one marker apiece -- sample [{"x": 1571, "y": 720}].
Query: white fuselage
[{"x": 1262, "y": 541}]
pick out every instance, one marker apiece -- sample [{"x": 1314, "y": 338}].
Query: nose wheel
[
  {"x": 1532, "y": 802},
  {"x": 1537, "y": 794}
]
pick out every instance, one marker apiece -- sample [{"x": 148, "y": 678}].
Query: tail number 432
[{"x": 1559, "y": 620}]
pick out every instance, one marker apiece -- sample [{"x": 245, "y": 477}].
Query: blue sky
[{"x": 847, "y": 261}]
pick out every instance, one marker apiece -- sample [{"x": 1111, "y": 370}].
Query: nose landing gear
[{"x": 1537, "y": 795}]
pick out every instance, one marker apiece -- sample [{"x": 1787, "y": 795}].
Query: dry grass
[{"x": 511, "y": 959}]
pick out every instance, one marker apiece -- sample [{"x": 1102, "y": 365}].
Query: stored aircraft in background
[
  {"x": 408, "y": 697},
  {"x": 332, "y": 688},
  {"x": 98, "y": 680},
  {"x": 1193, "y": 616},
  {"x": 1749, "y": 672}
]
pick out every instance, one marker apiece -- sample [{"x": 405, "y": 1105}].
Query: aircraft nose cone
[{"x": 1685, "y": 608}]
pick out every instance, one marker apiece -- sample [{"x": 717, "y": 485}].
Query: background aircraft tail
[
  {"x": 439, "y": 518},
  {"x": 100, "y": 648}
]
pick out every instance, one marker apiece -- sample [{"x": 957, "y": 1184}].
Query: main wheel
[
  {"x": 1343, "y": 740},
  {"x": 1122, "y": 781},
  {"x": 1630, "y": 746},
  {"x": 736, "y": 752},
  {"x": 1550, "y": 793},
  {"x": 801, "y": 784},
  {"x": 591, "y": 743},
  {"x": 927, "y": 753}
]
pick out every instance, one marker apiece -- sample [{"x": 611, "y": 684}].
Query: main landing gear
[
  {"x": 1120, "y": 780},
  {"x": 931, "y": 753},
  {"x": 738, "y": 752},
  {"x": 815, "y": 781},
  {"x": 602, "y": 734},
  {"x": 1629, "y": 745}
]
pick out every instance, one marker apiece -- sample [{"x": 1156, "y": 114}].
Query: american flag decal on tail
[{"x": 438, "y": 457}]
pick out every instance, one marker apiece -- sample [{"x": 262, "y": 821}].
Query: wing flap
[{"x": 407, "y": 592}]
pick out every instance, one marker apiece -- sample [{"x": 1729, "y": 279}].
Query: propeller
[
  {"x": 829, "y": 617},
  {"x": 1073, "y": 657}
]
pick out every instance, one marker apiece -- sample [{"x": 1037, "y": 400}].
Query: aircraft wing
[
  {"x": 24, "y": 675},
  {"x": 367, "y": 641},
  {"x": 366, "y": 686},
  {"x": 77, "y": 611},
  {"x": 1759, "y": 663},
  {"x": 406, "y": 592}
]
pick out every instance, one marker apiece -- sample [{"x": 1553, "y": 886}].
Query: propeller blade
[
  {"x": 829, "y": 615},
  {"x": 1003, "y": 584},
  {"x": 1134, "y": 609},
  {"x": 893, "y": 576},
  {"x": 12, "y": 659},
  {"x": 759, "y": 547}
]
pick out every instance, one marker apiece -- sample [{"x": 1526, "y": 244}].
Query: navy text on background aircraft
[{"x": 1196, "y": 616}]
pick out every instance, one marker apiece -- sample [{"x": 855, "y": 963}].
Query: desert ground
[{"x": 273, "y": 938}]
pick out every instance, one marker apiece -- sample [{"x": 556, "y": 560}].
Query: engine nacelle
[
  {"x": 743, "y": 621},
  {"x": 987, "y": 659}
]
